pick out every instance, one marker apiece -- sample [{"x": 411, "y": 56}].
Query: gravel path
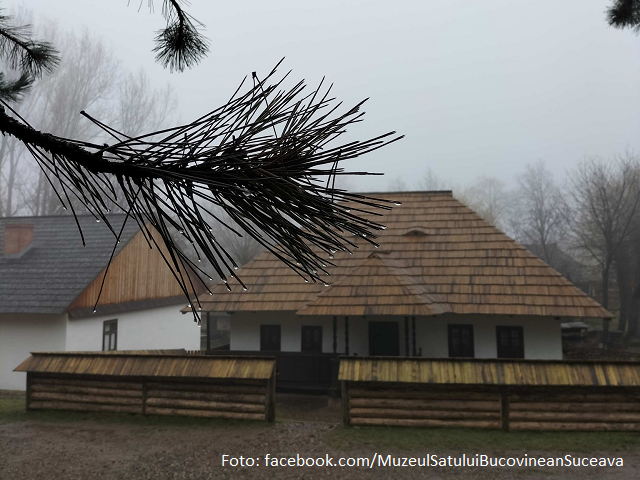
[{"x": 89, "y": 450}]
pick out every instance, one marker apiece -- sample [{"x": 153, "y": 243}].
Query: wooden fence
[
  {"x": 224, "y": 387},
  {"x": 491, "y": 394}
]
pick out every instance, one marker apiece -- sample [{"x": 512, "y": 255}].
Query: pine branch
[
  {"x": 261, "y": 158},
  {"x": 624, "y": 14},
  {"x": 180, "y": 45}
]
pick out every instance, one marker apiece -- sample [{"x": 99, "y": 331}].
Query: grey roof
[{"x": 56, "y": 268}]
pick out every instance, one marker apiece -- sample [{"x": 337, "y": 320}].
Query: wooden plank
[
  {"x": 396, "y": 422},
  {"x": 204, "y": 405},
  {"x": 78, "y": 398},
  {"x": 413, "y": 393},
  {"x": 575, "y": 407},
  {"x": 425, "y": 404},
  {"x": 89, "y": 383},
  {"x": 569, "y": 426},
  {"x": 209, "y": 387},
  {"x": 88, "y": 390},
  {"x": 221, "y": 397},
  {"x": 418, "y": 414},
  {"x": 83, "y": 407},
  {"x": 204, "y": 413},
  {"x": 593, "y": 417}
]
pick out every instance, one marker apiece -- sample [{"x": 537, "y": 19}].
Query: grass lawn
[{"x": 441, "y": 439}]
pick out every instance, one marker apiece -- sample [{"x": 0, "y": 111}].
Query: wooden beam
[
  {"x": 406, "y": 336},
  {"x": 413, "y": 337},
  {"x": 346, "y": 335},
  {"x": 335, "y": 334}
]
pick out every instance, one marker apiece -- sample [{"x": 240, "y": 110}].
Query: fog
[{"x": 478, "y": 88}]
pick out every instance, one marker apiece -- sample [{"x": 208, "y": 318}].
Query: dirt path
[{"x": 90, "y": 450}]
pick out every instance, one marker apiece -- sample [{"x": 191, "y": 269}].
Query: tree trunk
[{"x": 624, "y": 285}]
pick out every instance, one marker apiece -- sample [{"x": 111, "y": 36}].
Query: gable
[{"x": 137, "y": 273}]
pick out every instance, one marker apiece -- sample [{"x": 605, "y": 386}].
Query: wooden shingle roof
[
  {"x": 435, "y": 256},
  {"x": 490, "y": 372},
  {"x": 149, "y": 364}
]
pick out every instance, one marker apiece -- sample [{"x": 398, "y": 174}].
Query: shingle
[
  {"x": 56, "y": 268},
  {"x": 436, "y": 256}
]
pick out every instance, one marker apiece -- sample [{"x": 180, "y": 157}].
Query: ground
[{"x": 60, "y": 446}]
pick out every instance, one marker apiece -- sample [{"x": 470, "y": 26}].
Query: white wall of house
[
  {"x": 542, "y": 335},
  {"x": 156, "y": 328},
  {"x": 21, "y": 334}
]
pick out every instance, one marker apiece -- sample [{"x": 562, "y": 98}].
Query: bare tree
[
  {"x": 431, "y": 181},
  {"x": 489, "y": 198},
  {"x": 397, "y": 184},
  {"x": 606, "y": 198},
  {"x": 88, "y": 78},
  {"x": 542, "y": 212}
]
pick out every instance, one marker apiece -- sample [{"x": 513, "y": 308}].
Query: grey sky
[{"x": 478, "y": 88}]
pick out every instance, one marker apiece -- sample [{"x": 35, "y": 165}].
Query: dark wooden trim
[
  {"x": 413, "y": 337},
  {"x": 346, "y": 335},
  {"x": 406, "y": 336},
  {"x": 208, "y": 331},
  {"x": 335, "y": 334}
]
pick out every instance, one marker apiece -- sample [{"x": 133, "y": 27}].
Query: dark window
[
  {"x": 311, "y": 339},
  {"x": 461, "y": 341},
  {"x": 510, "y": 342},
  {"x": 270, "y": 338},
  {"x": 110, "y": 335}
]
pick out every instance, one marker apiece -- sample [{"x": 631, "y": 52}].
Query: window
[
  {"x": 110, "y": 335},
  {"x": 270, "y": 338},
  {"x": 311, "y": 339},
  {"x": 461, "y": 341},
  {"x": 510, "y": 342}
]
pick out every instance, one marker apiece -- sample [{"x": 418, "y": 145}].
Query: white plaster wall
[
  {"x": 21, "y": 334},
  {"x": 245, "y": 331},
  {"x": 157, "y": 328},
  {"x": 542, "y": 335}
]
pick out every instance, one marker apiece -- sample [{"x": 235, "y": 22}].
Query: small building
[
  {"x": 443, "y": 283},
  {"x": 49, "y": 283}
]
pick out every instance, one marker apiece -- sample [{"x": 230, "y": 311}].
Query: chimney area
[{"x": 17, "y": 238}]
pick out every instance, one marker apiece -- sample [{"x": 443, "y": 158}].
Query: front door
[{"x": 384, "y": 339}]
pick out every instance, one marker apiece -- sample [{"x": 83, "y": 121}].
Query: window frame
[
  {"x": 450, "y": 328},
  {"x": 113, "y": 324},
  {"x": 318, "y": 348},
  {"x": 509, "y": 328},
  {"x": 263, "y": 329}
]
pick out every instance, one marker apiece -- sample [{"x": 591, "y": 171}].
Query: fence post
[
  {"x": 346, "y": 410},
  {"x": 504, "y": 408},
  {"x": 144, "y": 396}
]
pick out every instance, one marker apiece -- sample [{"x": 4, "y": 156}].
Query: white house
[
  {"x": 49, "y": 283},
  {"x": 443, "y": 283}
]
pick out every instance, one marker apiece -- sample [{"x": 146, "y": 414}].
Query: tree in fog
[
  {"x": 541, "y": 217},
  {"x": 606, "y": 198},
  {"x": 88, "y": 78},
  {"x": 431, "y": 181},
  {"x": 489, "y": 198}
]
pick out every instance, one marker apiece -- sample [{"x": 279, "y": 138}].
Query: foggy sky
[{"x": 478, "y": 88}]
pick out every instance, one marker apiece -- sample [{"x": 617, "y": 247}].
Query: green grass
[
  {"x": 12, "y": 410},
  {"x": 440, "y": 439}
]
